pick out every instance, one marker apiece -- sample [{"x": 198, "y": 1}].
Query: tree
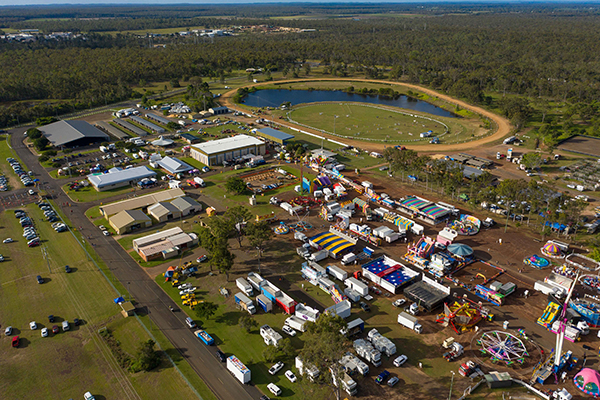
[
  {"x": 41, "y": 143},
  {"x": 45, "y": 120},
  {"x": 172, "y": 125},
  {"x": 175, "y": 83},
  {"x": 258, "y": 235},
  {"x": 223, "y": 259},
  {"x": 206, "y": 310},
  {"x": 146, "y": 358},
  {"x": 531, "y": 160},
  {"x": 237, "y": 218},
  {"x": 34, "y": 133},
  {"x": 247, "y": 323},
  {"x": 235, "y": 185},
  {"x": 324, "y": 346}
]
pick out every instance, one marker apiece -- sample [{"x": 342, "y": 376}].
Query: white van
[
  {"x": 190, "y": 322},
  {"x": 273, "y": 388},
  {"x": 65, "y": 326}
]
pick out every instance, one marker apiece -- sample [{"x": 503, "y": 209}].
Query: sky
[{"x": 165, "y": 2}]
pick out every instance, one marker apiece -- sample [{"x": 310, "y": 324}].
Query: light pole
[
  {"x": 128, "y": 292},
  {"x": 451, "y": 383}
]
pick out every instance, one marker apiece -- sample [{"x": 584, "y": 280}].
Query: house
[
  {"x": 164, "y": 211},
  {"x": 116, "y": 177},
  {"x": 173, "y": 165},
  {"x": 129, "y": 220},
  {"x": 164, "y": 244},
  {"x": 215, "y": 152},
  {"x": 186, "y": 205}
]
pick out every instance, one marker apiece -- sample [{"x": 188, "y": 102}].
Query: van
[
  {"x": 190, "y": 322},
  {"x": 65, "y": 325},
  {"x": 273, "y": 388}
]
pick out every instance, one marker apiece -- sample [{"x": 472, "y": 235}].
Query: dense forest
[{"x": 540, "y": 53}]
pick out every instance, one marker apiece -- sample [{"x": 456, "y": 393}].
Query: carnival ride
[
  {"x": 590, "y": 281},
  {"x": 467, "y": 225},
  {"x": 423, "y": 248},
  {"x": 551, "y": 250},
  {"x": 536, "y": 261},
  {"x": 549, "y": 315},
  {"x": 281, "y": 229},
  {"x": 461, "y": 317},
  {"x": 503, "y": 347}
]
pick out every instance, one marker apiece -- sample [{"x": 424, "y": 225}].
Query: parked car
[
  {"x": 364, "y": 306},
  {"x": 393, "y": 381},
  {"x": 55, "y": 329},
  {"x": 67, "y": 269},
  {"x": 51, "y": 318},
  {"x": 288, "y": 330},
  {"x": 375, "y": 290},
  {"x": 15, "y": 341},
  {"x": 399, "y": 302},
  {"x": 76, "y": 322},
  {"x": 202, "y": 259},
  {"x": 8, "y": 331},
  {"x": 8, "y": 240},
  {"x": 44, "y": 332},
  {"x": 40, "y": 280},
  {"x": 382, "y": 377},
  {"x": 31, "y": 192},
  {"x": 65, "y": 326},
  {"x": 106, "y": 233},
  {"x": 32, "y": 325},
  {"x": 290, "y": 375},
  {"x": 88, "y": 396},
  {"x": 276, "y": 368},
  {"x": 102, "y": 227},
  {"x": 400, "y": 360}
]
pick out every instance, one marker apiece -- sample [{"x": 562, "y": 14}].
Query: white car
[
  {"x": 106, "y": 233},
  {"x": 399, "y": 302},
  {"x": 8, "y": 331},
  {"x": 32, "y": 325},
  {"x": 290, "y": 375},
  {"x": 31, "y": 192},
  {"x": 44, "y": 332},
  {"x": 276, "y": 368},
  {"x": 273, "y": 388},
  {"x": 102, "y": 227},
  {"x": 400, "y": 360},
  {"x": 288, "y": 330},
  {"x": 184, "y": 286},
  {"x": 8, "y": 240}
]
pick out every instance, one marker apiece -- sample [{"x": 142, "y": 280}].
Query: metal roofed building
[
  {"x": 140, "y": 202},
  {"x": 157, "y": 118},
  {"x": 129, "y": 220},
  {"x": 130, "y": 127},
  {"x": 164, "y": 244},
  {"x": 215, "y": 152},
  {"x": 188, "y": 137},
  {"x": 323, "y": 153},
  {"x": 274, "y": 135},
  {"x": 187, "y": 205},
  {"x": 174, "y": 165},
  {"x": 164, "y": 211},
  {"x": 112, "y": 130},
  {"x": 72, "y": 133},
  {"x": 147, "y": 124},
  {"x": 218, "y": 110},
  {"x": 116, "y": 178}
]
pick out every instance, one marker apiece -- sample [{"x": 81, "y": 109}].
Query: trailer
[
  {"x": 264, "y": 303},
  {"x": 244, "y": 286},
  {"x": 238, "y": 369},
  {"x": 342, "y": 309},
  {"x": 270, "y": 336},
  {"x": 410, "y": 322},
  {"x": 352, "y": 295},
  {"x": 348, "y": 258},
  {"x": 296, "y": 323},
  {"x": 354, "y": 328},
  {"x": 367, "y": 351},
  {"x": 319, "y": 255},
  {"x": 544, "y": 287},
  {"x": 244, "y": 302},
  {"x": 337, "y": 272},
  {"x": 255, "y": 280},
  {"x": 381, "y": 343},
  {"x": 361, "y": 367},
  {"x": 357, "y": 286},
  {"x": 205, "y": 337},
  {"x": 310, "y": 370}
]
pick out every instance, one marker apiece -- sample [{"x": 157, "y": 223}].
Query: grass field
[
  {"x": 5, "y": 152},
  {"x": 70, "y": 363}
]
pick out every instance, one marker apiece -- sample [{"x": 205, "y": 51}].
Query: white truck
[
  {"x": 244, "y": 286},
  {"x": 337, "y": 272},
  {"x": 348, "y": 258},
  {"x": 357, "y": 286},
  {"x": 269, "y": 335},
  {"x": 311, "y": 371},
  {"x": 410, "y": 322},
  {"x": 256, "y": 281},
  {"x": 319, "y": 255},
  {"x": 367, "y": 351},
  {"x": 244, "y": 302},
  {"x": 296, "y": 323},
  {"x": 361, "y": 367},
  {"x": 238, "y": 369},
  {"x": 381, "y": 343},
  {"x": 352, "y": 295}
]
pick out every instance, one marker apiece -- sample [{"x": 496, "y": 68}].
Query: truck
[
  {"x": 238, "y": 369},
  {"x": 199, "y": 181},
  {"x": 269, "y": 335},
  {"x": 205, "y": 337},
  {"x": 357, "y": 286},
  {"x": 243, "y": 301},
  {"x": 354, "y": 327},
  {"x": 352, "y": 295},
  {"x": 244, "y": 286},
  {"x": 410, "y": 322},
  {"x": 381, "y": 343},
  {"x": 366, "y": 350},
  {"x": 319, "y": 255},
  {"x": 311, "y": 371},
  {"x": 264, "y": 303},
  {"x": 413, "y": 309},
  {"x": 348, "y": 384},
  {"x": 337, "y": 272},
  {"x": 455, "y": 351},
  {"x": 296, "y": 323},
  {"x": 348, "y": 258},
  {"x": 256, "y": 281},
  {"x": 303, "y": 252},
  {"x": 469, "y": 369}
]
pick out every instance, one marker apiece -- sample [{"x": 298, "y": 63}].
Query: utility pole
[{"x": 451, "y": 383}]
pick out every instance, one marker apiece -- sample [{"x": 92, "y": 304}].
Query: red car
[{"x": 15, "y": 341}]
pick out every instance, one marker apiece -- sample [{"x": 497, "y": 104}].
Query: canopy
[
  {"x": 588, "y": 381},
  {"x": 459, "y": 249},
  {"x": 162, "y": 142},
  {"x": 551, "y": 248}
]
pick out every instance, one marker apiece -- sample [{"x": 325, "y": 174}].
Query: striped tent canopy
[{"x": 588, "y": 381}]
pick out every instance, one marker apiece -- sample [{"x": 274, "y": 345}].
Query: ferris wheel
[{"x": 503, "y": 347}]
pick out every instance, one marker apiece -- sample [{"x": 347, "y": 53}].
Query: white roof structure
[
  {"x": 140, "y": 202},
  {"x": 227, "y": 144},
  {"x": 156, "y": 237},
  {"x": 64, "y": 132},
  {"x": 173, "y": 165},
  {"x": 162, "y": 142},
  {"x": 116, "y": 176}
]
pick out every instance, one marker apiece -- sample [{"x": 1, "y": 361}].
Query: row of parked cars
[
  {"x": 52, "y": 217},
  {"x": 29, "y": 231},
  {"x": 45, "y": 332},
  {"x": 3, "y": 183},
  {"x": 24, "y": 176}
]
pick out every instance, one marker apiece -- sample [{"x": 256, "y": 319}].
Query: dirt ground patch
[{"x": 582, "y": 144}]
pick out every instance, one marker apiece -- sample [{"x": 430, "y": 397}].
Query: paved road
[{"x": 142, "y": 288}]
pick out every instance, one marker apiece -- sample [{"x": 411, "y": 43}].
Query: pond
[{"x": 275, "y": 97}]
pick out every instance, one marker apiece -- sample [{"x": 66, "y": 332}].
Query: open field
[
  {"x": 84, "y": 294},
  {"x": 586, "y": 145}
]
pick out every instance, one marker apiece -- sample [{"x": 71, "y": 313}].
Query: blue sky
[{"x": 163, "y": 2}]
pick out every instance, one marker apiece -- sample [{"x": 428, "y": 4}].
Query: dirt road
[{"x": 503, "y": 125}]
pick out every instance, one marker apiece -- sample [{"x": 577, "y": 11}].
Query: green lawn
[
  {"x": 45, "y": 367},
  {"x": 5, "y": 152}
]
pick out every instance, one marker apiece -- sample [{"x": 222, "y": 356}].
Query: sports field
[{"x": 66, "y": 364}]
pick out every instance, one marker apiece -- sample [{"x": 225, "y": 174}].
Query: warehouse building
[
  {"x": 141, "y": 202},
  {"x": 147, "y": 124},
  {"x": 111, "y": 130},
  {"x": 165, "y": 244},
  {"x": 274, "y": 135},
  {"x": 116, "y": 178},
  {"x": 72, "y": 133},
  {"x": 173, "y": 165},
  {"x": 130, "y": 127},
  {"x": 188, "y": 137},
  {"x": 163, "y": 211},
  {"x": 129, "y": 220},
  {"x": 218, "y": 110},
  {"x": 216, "y": 151},
  {"x": 157, "y": 118},
  {"x": 186, "y": 205}
]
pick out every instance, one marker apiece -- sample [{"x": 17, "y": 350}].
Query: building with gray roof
[
  {"x": 147, "y": 124},
  {"x": 130, "y": 127},
  {"x": 116, "y": 177},
  {"x": 157, "y": 118},
  {"x": 274, "y": 135},
  {"x": 173, "y": 165},
  {"x": 112, "y": 130},
  {"x": 72, "y": 133}
]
